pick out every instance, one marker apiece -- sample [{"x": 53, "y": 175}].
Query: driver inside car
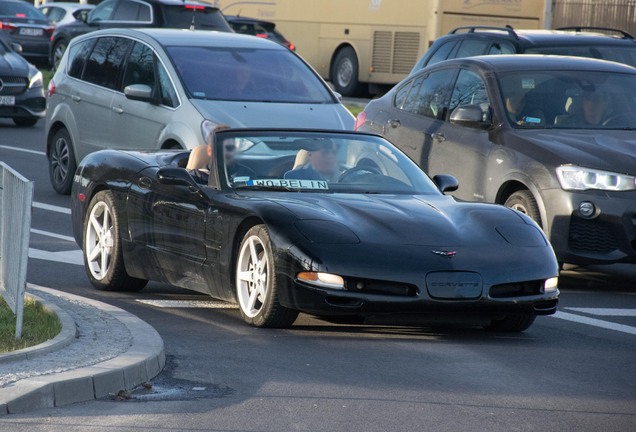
[{"x": 321, "y": 163}]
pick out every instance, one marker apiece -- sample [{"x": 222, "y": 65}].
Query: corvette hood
[
  {"x": 405, "y": 219},
  {"x": 273, "y": 115},
  {"x": 611, "y": 150}
]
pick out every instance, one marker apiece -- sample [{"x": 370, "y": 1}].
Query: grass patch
[
  {"x": 47, "y": 74},
  {"x": 39, "y": 325},
  {"x": 354, "y": 109}
]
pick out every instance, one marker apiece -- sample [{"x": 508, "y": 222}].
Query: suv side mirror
[
  {"x": 446, "y": 183},
  {"x": 471, "y": 116},
  {"x": 16, "y": 47},
  {"x": 138, "y": 92}
]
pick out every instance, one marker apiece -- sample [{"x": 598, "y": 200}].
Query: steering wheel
[
  {"x": 619, "y": 118},
  {"x": 350, "y": 171}
]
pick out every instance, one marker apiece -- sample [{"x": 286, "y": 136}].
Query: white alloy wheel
[
  {"x": 252, "y": 276},
  {"x": 99, "y": 240},
  {"x": 256, "y": 282}
]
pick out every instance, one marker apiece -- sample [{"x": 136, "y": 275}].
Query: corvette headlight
[
  {"x": 579, "y": 178},
  {"x": 551, "y": 285},
  {"x": 326, "y": 280}
]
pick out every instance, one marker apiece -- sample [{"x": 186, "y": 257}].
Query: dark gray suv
[
  {"x": 553, "y": 137},
  {"x": 182, "y": 14},
  {"x": 593, "y": 42}
]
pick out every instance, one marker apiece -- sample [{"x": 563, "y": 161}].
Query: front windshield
[
  {"x": 241, "y": 74},
  {"x": 569, "y": 99},
  {"x": 317, "y": 162}
]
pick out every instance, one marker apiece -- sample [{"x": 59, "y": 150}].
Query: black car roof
[{"x": 516, "y": 62}]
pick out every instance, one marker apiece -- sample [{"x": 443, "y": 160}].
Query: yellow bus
[{"x": 355, "y": 43}]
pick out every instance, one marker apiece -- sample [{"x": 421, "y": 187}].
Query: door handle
[
  {"x": 118, "y": 110},
  {"x": 76, "y": 98},
  {"x": 438, "y": 136},
  {"x": 394, "y": 123}
]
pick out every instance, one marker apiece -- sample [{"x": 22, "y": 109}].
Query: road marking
[
  {"x": 616, "y": 312},
  {"x": 53, "y": 208},
  {"x": 68, "y": 257},
  {"x": 50, "y": 234},
  {"x": 189, "y": 304},
  {"x": 595, "y": 322},
  {"x": 23, "y": 150}
]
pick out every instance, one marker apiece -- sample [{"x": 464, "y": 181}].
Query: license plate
[
  {"x": 7, "y": 100},
  {"x": 31, "y": 32}
]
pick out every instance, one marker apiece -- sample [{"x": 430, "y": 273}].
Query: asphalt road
[{"x": 571, "y": 371}]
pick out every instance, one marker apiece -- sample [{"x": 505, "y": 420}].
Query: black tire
[
  {"x": 62, "y": 164},
  {"x": 102, "y": 250},
  {"x": 58, "y": 52},
  {"x": 344, "y": 72},
  {"x": 25, "y": 121},
  {"x": 512, "y": 323},
  {"x": 524, "y": 202},
  {"x": 256, "y": 282}
]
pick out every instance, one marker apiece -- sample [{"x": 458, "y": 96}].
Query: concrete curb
[{"x": 141, "y": 362}]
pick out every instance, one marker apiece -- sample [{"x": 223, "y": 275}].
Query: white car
[
  {"x": 167, "y": 88},
  {"x": 64, "y": 13}
]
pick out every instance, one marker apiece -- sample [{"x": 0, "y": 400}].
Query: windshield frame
[{"x": 420, "y": 183}]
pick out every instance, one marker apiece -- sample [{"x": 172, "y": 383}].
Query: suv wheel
[
  {"x": 58, "y": 52},
  {"x": 524, "y": 202},
  {"x": 62, "y": 163}
]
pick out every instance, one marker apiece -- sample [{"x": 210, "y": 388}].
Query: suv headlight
[
  {"x": 579, "y": 178},
  {"x": 36, "y": 80}
]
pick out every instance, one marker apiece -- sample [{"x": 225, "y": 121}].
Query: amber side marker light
[{"x": 325, "y": 280}]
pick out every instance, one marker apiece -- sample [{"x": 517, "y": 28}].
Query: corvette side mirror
[{"x": 175, "y": 177}]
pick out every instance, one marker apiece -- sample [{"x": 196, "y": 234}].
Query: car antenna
[{"x": 194, "y": 13}]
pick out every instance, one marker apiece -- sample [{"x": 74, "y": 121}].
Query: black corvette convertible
[{"x": 338, "y": 224}]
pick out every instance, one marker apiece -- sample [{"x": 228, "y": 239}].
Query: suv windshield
[
  {"x": 318, "y": 162},
  {"x": 570, "y": 99},
  {"x": 258, "y": 75}
]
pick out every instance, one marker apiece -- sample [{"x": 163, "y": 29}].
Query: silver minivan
[{"x": 166, "y": 88}]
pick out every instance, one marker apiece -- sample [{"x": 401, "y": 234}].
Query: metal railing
[{"x": 16, "y": 198}]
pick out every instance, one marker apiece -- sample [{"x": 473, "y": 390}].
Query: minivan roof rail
[
  {"x": 624, "y": 34},
  {"x": 473, "y": 29}
]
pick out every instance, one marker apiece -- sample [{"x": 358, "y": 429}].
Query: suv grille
[
  {"x": 12, "y": 85},
  {"x": 588, "y": 235},
  {"x": 394, "y": 52}
]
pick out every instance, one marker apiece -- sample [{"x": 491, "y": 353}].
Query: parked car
[
  {"x": 180, "y": 14},
  {"x": 61, "y": 13},
  {"x": 376, "y": 238},
  {"x": 511, "y": 128},
  {"x": 21, "y": 87},
  {"x": 27, "y": 26},
  {"x": 259, "y": 28},
  {"x": 593, "y": 42},
  {"x": 165, "y": 88}
]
